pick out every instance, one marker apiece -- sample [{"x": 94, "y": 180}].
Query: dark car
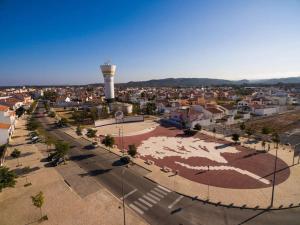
[{"x": 125, "y": 159}]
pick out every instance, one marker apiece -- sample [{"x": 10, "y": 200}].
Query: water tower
[{"x": 108, "y": 71}]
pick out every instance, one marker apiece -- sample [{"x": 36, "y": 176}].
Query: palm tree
[
  {"x": 235, "y": 137},
  {"x": 38, "y": 201},
  {"x": 263, "y": 144},
  {"x": 275, "y": 139}
]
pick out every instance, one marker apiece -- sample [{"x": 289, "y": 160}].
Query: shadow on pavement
[
  {"x": 253, "y": 217},
  {"x": 23, "y": 171},
  {"x": 95, "y": 172},
  {"x": 81, "y": 157},
  {"x": 119, "y": 163}
]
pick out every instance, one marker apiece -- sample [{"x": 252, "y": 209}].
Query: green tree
[
  {"x": 104, "y": 112},
  {"x": 108, "y": 141},
  {"x": 235, "y": 137},
  {"x": 38, "y": 201},
  {"x": 276, "y": 139},
  {"x": 7, "y": 178},
  {"x": 197, "y": 127},
  {"x": 63, "y": 122},
  {"x": 48, "y": 141},
  {"x": 79, "y": 130},
  {"x": 263, "y": 144},
  {"x": 91, "y": 133},
  {"x": 32, "y": 124},
  {"x": 136, "y": 109},
  {"x": 266, "y": 130},
  {"x": 61, "y": 150},
  {"x": 132, "y": 150},
  {"x": 94, "y": 113},
  {"x": 20, "y": 111},
  {"x": 214, "y": 131},
  {"x": 16, "y": 154},
  {"x": 52, "y": 114},
  {"x": 249, "y": 132},
  {"x": 150, "y": 108}
]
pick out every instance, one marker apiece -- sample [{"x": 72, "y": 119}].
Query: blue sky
[{"x": 64, "y": 42}]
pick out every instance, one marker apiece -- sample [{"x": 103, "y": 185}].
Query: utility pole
[
  {"x": 274, "y": 177},
  {"x": 208, "y": 185}
]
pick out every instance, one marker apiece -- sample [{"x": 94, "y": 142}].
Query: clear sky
[{"x": 64, "y": 42}]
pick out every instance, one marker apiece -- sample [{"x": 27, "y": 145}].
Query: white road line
[
  {"x": 163, "y": 188},
  {"x": 136, "y": 209},
  {"x": 128, "y": 194},
  {"x": 149, "y": 199},
  {"x": 160, "y": 191},
  {"x": 152, "y": 196},
  {"x": 175, "y": 202},
  {"x": 140, "y": 205},
  {"x": 145, "y": 202},
  {"x": 157, "y": 194}
]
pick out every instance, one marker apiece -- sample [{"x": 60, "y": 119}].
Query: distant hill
[
  {"x": 288, "y": 80},
  {"x": 192, "y": 82}
]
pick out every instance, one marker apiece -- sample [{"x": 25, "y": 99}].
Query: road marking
[
  {"x": 149, "y": 199},
  {"x": 175, "y": 202},
  {"x": 128, "y": 194},
  {"x": 156, "y": 193},
  {"x": 160, "y": 191},
  {"x": 163, "y": 188},
  {"x": 140, "y": 205},
  {"x": 136, "y": 209},
  {"x": 152, "y": 196},
  {"x": 145, "y": 202}
]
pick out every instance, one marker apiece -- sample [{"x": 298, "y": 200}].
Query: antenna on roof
[{"x": 107, "y": 62}]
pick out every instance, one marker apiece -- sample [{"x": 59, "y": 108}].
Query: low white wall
[{"x": 127, "y": 119}]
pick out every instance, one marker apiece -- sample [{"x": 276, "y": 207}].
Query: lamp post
[
  {"x": 208, "y": 185},
  {"x": 274, "y": 177},
  {"x": 119, "y": 116}
]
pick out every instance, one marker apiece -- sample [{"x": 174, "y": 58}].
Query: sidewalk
[{"x": 63, "y": 204}]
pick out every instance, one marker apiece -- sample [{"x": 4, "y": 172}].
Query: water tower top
[{"x": 108, "y": 69}]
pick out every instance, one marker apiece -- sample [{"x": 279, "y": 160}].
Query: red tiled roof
[
  {"x": 3, "y": 108},
  {"x": 4, "y": 126}
]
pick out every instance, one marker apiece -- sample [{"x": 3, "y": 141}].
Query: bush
[
  {"x": 266, "y": 130},
  {"x": 108, "y": 141},
  {"x": 235, "y": 137},
  {"x": 197, "y": 127},
  {"x": 78, "y": 131},
  {"x": 51, "y": 114},
  {"x": 132, "y": 150},
  {"x": 189, "y": 132},
  {"x": 91, "y": 133}
]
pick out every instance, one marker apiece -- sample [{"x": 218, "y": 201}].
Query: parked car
[
  {"x": 95, "y": 144},
  {"x": 125, "y": 159}
]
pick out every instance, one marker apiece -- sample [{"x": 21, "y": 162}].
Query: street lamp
[
  {"x": 274, "y": 177},
  {"x": 208, "y": 185},
  {"x": 119, "y": 117}
]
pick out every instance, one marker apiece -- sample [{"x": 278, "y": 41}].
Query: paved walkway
[{"x": 63, "y": 205}]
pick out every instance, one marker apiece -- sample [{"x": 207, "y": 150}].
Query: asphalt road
[{"x": 156, "y": 204}]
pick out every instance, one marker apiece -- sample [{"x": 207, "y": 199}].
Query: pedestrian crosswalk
[{"x": 148, "y": 200}]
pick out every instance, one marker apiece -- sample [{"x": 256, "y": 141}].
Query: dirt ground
[{"x": 279, "y": 123}]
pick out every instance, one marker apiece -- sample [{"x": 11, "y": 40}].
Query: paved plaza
[{"x": 230, "y": 165}]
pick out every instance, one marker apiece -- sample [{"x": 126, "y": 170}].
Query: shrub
[{"x": 132, "y": 150}]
